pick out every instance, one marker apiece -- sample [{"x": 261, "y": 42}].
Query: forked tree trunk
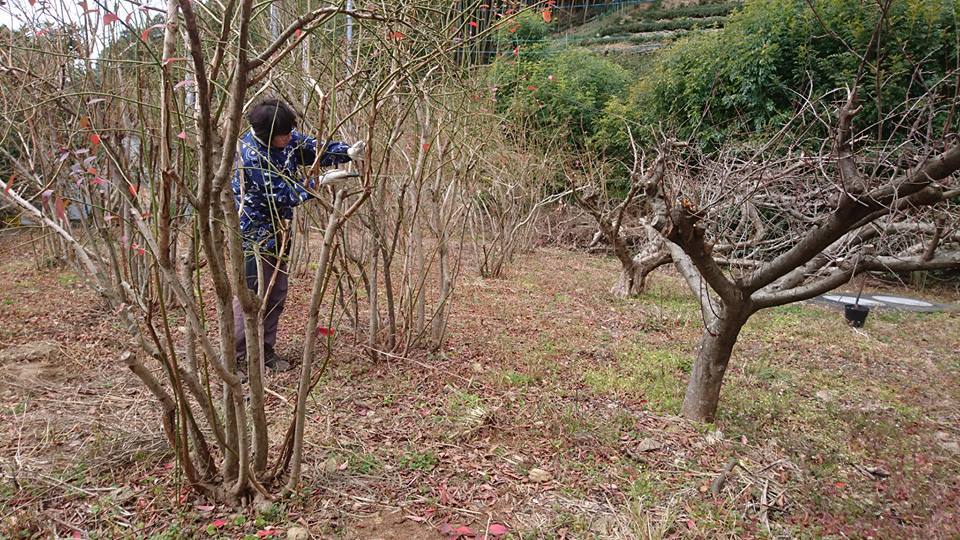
[
  {"x": 716, "y": 345},
  {"x": 633, "y": 275}
]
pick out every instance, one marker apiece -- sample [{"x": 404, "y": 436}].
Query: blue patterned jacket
[{"x": 273, "y": 186}]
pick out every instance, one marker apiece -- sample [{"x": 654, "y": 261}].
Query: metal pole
[
  {"x": 349, "y": 34},
  {"x": 274, "y": 20},
  {"x": 305, "y": 50}
]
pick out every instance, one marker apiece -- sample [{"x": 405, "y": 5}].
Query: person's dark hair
[{"x": 271, "y": 117}]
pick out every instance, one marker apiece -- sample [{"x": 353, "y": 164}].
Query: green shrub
[
  {"x": 525, "y": 28},
  {"x": 751, "y": 76},
  {"x": 557, "y": 92}
]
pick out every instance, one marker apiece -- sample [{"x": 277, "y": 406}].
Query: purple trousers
[{"x": 276, "y": 298}]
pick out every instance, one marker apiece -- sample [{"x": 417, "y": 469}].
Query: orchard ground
[{"x": 551, "y": 413}]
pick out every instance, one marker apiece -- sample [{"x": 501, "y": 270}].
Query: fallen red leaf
[
  {"x": 464, "y": 531},
  {"x": 182, "y": 135},
  {"x": 324, "y": 331},
  {"x": 497, "y": 529},
  {"x": 217, "y": 523},
  {"x": 94, "y": 140}
]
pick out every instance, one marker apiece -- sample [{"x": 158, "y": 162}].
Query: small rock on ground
[
  {"x": 539, "y": 475},
  {"x": 297, "y": 533},
  {"x": 649, "y": 445}
]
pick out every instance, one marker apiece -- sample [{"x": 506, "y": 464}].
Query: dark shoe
[{"x": 273, "y": 362}]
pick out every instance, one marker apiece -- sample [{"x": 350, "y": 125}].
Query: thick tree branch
[
  {"x": 876, "y": 203},
  {"x": 226, "y": 22},
  {"x": 685, "y": 230},
  {"x": 710, "y": 309},
  {"x": 849, "y": 176},
  {"x": 838, "y": 277}
]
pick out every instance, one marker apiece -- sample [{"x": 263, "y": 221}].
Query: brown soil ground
[{"x": 836, "y": 432}]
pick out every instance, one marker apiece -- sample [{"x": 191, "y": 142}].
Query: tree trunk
[
  {"x": 630, "y": 283},
  {"x": 633, "y": 276},
  {"x": 716, "y": 345},
  {"x": 373, "y": 339}
]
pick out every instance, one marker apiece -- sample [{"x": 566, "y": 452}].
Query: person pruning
[{"x": 267, "y": 186}]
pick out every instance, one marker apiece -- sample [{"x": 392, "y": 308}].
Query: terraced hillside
[{"x": 643, "y": 26}]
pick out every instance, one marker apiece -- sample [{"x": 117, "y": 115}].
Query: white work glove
[
  {"x": 334, "y": 178},
  {"x": 357, "y": 150}
]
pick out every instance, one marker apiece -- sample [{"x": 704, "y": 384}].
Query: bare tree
[
  {"x": 506, "y": 201},
  {"x": 591, "y": 193},
  {"x": 134, "y": 117},
  {"x": 754, "y": 229}
]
